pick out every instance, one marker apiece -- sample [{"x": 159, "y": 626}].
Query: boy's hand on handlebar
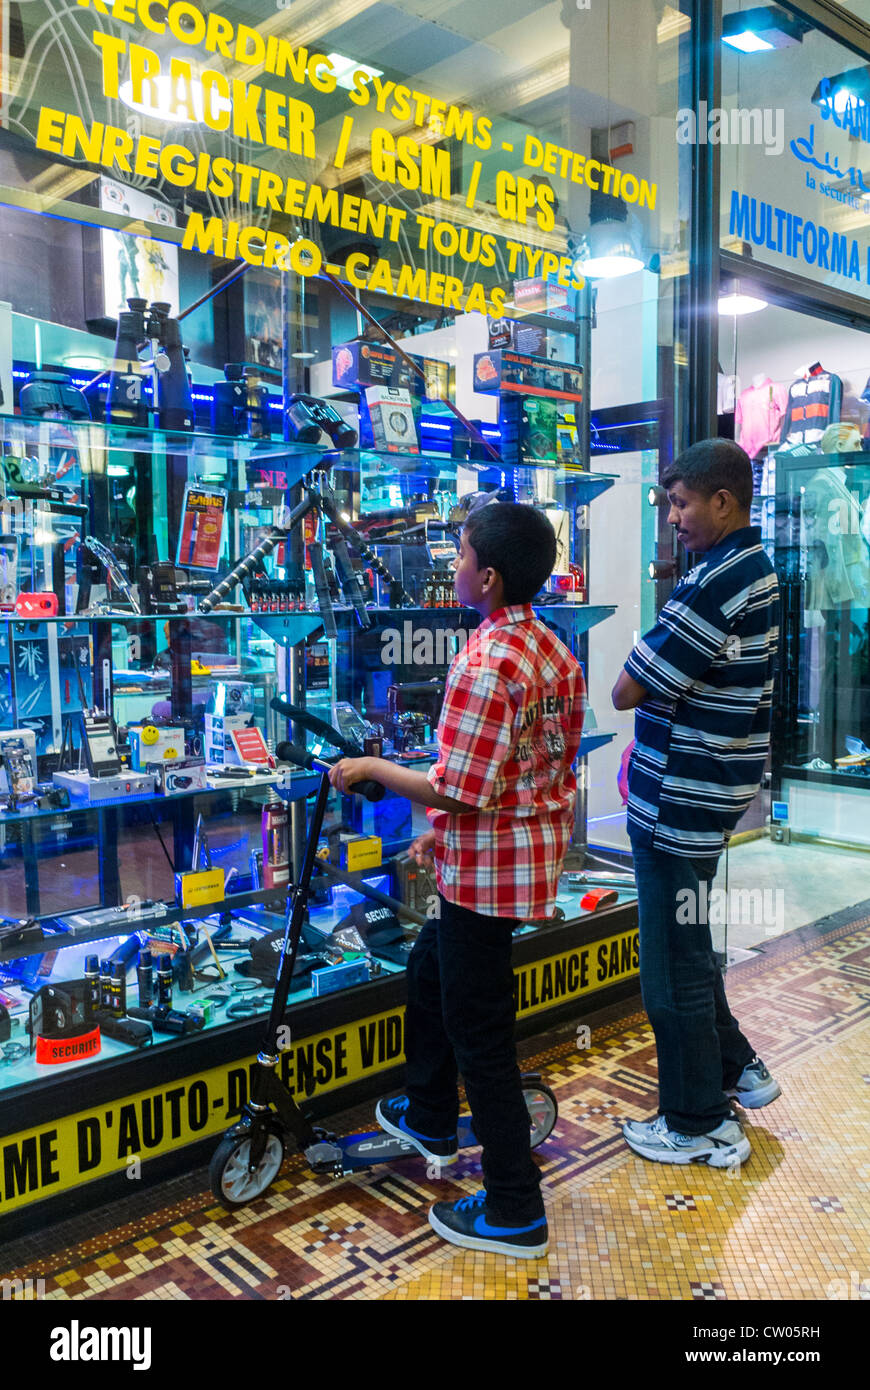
[
  {"x": 421, "y": 850},
  {"x": 343, "y": 775}
]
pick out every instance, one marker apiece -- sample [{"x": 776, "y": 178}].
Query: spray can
[
  {"x": 145, "y": 978},
  {"x": 106, "y": 984},
  {"x": 92, "y": 986},
  {"x": 164, "y": 983},
  {"x": 118, "y": 991}
]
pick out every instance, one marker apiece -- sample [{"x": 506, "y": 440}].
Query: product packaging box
[
  {"x": 517, "y": 336},
  {"x": 356, "y": 365},
  {"x": 359, "y": 852},
  {"x": 11, "y": 735},
  {"x": 540, "y": 440},
  {"x": 149, "y": 744},
  {"x": 392, "y": 417},
  {"x": 219, "y": 746},
  {"x": 505, "y": 370}
]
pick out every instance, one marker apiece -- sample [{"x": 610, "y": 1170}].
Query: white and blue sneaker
[
  {"x": 469, "y": 1224},
  {"x": 755, "y": 1086},
  {"x": 391, "y": 1116},
  {"x": 725, "y": 1146}
]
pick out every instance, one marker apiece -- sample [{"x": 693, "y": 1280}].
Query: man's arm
[
  {"x": 627, "y": 693},
  {"x": 404, "y": 781}
]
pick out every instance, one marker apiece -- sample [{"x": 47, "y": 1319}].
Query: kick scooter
[{"x": 249, "y": 1156}]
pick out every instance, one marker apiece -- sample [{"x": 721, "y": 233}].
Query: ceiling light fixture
[
  {"x": 608, "y": 250},
  {"x": 762, "y": 28},
  {"x": 734, "y": 301}
]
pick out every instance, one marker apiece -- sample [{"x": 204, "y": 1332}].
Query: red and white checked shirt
[{"x": 508, "y": 736}]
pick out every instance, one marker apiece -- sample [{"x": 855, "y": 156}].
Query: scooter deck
[{"x": 362, "y": 1150}]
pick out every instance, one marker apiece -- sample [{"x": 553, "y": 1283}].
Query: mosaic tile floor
[{"x": 793, "y": 1223}]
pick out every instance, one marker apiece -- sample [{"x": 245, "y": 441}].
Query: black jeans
[
  {"x": 701, "y": 1049},
  {"x": 460, "y": 1018}
]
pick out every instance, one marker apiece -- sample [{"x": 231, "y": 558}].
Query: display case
[
  {"x": 821, "y": 758},
  {"x": 146, "y": 863}
]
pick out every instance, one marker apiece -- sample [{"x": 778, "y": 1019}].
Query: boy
[
  {"x": 702, "y": 683},
  {"x": 500, "y": 799}
]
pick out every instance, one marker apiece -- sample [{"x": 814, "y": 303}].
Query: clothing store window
[
  {"x": 794, "y": 135},
  {"x": 802, "y": 412}
]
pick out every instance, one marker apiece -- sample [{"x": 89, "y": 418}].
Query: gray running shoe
[
  {"x": 726, "y": 1146},
  {"x": 755, "y": 1086}
]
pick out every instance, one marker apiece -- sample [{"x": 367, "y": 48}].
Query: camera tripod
[{"x": 320, "y": 499}]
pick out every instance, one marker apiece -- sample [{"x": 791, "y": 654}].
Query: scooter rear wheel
[
  {"x": 231, "y": 1182},
  {"x": 543, "y": 1111}
]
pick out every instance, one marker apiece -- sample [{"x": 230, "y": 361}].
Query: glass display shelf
[
  {"x": 373, "y": 464},
  {"x": 97, "y": 440},
  {"x": 291, "y": 784}
]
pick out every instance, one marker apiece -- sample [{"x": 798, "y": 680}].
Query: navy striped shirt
[{"x": 702, "y": 736}]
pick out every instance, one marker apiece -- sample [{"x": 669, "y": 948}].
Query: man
[
  {"x": 701, "y": 681},
  {"x": 500, "y": 799}
]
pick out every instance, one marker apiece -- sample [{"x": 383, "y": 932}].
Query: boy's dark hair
[
  {"x": 518, "y": 542},
  {"x": 711, "y": 465}
]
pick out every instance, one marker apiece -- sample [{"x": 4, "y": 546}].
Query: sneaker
[
  {"x": 724, "y": 1147},
  {"x": 755, "y": 1086},
  {"x": 468, "y": 1223},
  {"x": 390, "y": 1115}
]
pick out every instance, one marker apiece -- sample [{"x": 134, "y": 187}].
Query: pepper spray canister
[
  {"x": 145, "y": 978},
  {"x": 92, "y": 986},
  {"x": 164, "y": 982}
]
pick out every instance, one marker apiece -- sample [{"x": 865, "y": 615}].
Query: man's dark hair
[
  {"x": 711, "y": 465},
  {"x": 518, "y": 542}
]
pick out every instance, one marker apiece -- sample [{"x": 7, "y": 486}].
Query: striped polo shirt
[{"x": 702, "y": 736}]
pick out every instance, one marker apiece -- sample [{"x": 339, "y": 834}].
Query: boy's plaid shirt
[{"x": 508, "y": 736}]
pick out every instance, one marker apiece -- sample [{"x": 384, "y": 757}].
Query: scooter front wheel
[
  {"x": 543, "y": 1111},
  {"x": 231, "y": 1180}
]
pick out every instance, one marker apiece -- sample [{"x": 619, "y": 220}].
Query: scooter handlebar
[{"x": 292, "y": 753}]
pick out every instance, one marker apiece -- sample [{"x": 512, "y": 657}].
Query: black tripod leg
[{"x": 322, "y": 589}]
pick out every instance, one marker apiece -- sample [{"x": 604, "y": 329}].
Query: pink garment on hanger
[{"x": 759, "y": 414}]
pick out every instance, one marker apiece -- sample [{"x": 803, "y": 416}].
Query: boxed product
[
  {"x": 367, "y": 364},
  {"x": 519, "y": 336},
  {"x": 374, "y": 364},
  {"x": 359, "y": 852},
  {"x": 392, "y": 417},
  {"x": 504, "y": 370},
  {"x": 540, "y": 435},
  {"x": 11, "y": 736},
  {"x": 150, "y": 744},
  {"x": 219, "y": 729}
]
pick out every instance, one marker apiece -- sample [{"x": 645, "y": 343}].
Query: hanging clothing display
[
  {"x": 813, "y": 404},
  {"x": 759, "y": 414},
  {"x": 838, "y": 556},
  {"x": 727, "y": 391}
]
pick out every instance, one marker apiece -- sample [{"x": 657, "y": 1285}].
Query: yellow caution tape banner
[{"x": 121, "y": 1135}]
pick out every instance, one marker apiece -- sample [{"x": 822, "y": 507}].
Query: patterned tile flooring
[{"x": 794, "y": 1222}]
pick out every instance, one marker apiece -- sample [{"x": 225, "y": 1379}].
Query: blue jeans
[
  {"x": 701, "y": 1050},
  {"x": 460, "y": 1017}
]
